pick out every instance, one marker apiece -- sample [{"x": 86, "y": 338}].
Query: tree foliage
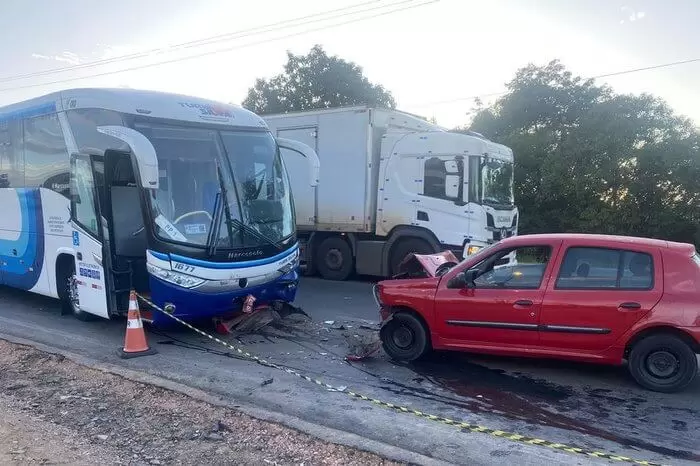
[
  {"x": 590, "y": 160},
  {"x": 314, "y": 81}
]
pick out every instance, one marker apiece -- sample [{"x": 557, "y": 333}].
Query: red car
[{"x": 592, "y": 298}]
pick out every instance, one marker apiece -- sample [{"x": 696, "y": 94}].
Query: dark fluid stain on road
[{"x": 523, "y": 398}]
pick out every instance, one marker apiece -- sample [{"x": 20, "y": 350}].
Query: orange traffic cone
[{"x": 135, "y": 339}]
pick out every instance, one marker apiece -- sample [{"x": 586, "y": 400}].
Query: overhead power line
[
  {"x": 606, "y": 75},
  {"x": 194, "y": 43},
  {"x": 228, "y": 49}
]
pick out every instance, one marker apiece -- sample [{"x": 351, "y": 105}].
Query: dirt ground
[{"x": 57, "y": 412}]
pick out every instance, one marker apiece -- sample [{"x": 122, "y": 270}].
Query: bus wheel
[{"x": 70, "y": 298}]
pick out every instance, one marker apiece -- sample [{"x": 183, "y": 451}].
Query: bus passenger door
[{"x": 87, "y": 234}]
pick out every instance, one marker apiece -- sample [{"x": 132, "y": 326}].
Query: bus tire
[{"x": 68, "y": 291}]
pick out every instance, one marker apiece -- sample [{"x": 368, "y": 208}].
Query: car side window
[
  {"x": 601, "y": 268},
  {"x": 518, "y": 268}
]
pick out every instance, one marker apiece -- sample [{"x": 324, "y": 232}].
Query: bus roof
[{"x": 136, "y": 102}]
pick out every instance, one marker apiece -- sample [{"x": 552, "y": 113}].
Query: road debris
[{"x": 252, "y": 319}]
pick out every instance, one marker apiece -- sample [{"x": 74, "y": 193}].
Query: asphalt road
[{"x": 589, "y": 406}]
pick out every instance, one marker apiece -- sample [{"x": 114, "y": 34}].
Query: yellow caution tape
[{"x": 464, "y": 426}]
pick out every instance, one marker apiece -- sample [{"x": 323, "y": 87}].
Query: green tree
[
  {"x": 313, "y": 81},
  {"x": 590, "y": 160}
]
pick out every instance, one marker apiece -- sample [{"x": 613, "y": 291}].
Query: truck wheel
[
  {"x": 334, "y": 259},
  {"x": 663, "y": 363},
  {"x": 405, "y": 247},
  {"x": 68, "y": 293},
  {"x": 404, "y": 338}
]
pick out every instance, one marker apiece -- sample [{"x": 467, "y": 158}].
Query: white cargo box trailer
[{"x": 390, "y": 183}]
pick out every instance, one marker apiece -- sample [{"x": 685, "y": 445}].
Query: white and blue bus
[{"x": 184, "y": 200}]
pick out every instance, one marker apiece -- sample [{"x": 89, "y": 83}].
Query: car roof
[{"x": 601, "y": 240}]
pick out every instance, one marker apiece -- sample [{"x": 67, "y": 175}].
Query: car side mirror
[{"x": 469, "y": 278}]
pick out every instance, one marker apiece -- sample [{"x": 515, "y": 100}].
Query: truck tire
[
  {"x": 405, "y": 247},
  {"x": 67, "y": 291},
  {"x": 334, "y": 259},
  {"x": 663, "y": 363},
  {"x": 405, "y": 338}
]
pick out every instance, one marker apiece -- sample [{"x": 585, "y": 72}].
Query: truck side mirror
[{"x": 452, "y": 186}]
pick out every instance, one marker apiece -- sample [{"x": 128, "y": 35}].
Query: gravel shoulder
[{"x": 58, "y": 412}]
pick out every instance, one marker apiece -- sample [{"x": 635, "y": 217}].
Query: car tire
[
  {"x": 663, "y": 363},
  {"x": 404, "y": 248},
  {"x": 68, "y": 294},
  {"x": 405, "y": 338},
  {"x": 334, "y": 259}
]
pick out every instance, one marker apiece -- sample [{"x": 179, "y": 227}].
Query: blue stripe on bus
[
  {"x": 28, "y": 112},
  {"x": 225, "y": 265},
  {"x": 24, "y": 257}
]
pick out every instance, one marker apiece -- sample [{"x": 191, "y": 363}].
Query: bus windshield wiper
[
  {"x": 255, "y": 233},
  {"x": 220, "y": 205},
  {"x": 213, "y": 237}
]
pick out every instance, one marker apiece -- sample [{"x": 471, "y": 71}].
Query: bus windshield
[{"x": 203, "y": 171}]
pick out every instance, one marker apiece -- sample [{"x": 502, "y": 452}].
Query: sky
[{"x": 433, "y": 55}]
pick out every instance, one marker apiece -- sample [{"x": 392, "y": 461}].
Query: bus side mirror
[
  {"x": 143, "y": 150},
  {"x": 314, "y": 164}
]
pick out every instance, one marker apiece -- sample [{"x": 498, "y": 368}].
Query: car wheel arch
[
  {"x": 407, "y": 310},
  {"x": 657, "y": 330}
]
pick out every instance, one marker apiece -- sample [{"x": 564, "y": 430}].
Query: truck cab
[
  {"x": 458, "y": 186},
  {"x": 391, "y": 184}
]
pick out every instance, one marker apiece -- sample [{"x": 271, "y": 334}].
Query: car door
[
  {"x": 502, "y": 306},
  {"x": 87, "y": 235},
  {"x": 597, "y": 294}
]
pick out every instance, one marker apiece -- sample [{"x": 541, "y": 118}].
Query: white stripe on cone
[{"x": 134, "y": 323}]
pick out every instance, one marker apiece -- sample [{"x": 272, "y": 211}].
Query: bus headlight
[{"x": 176, "y": 278}]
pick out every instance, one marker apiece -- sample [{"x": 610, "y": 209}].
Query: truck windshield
[
  {"x": 242, "y": 169},
  {"x": 497, "y": 182}
]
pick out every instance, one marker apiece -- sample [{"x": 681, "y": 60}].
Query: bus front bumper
[{"x": 191, "y": 305}]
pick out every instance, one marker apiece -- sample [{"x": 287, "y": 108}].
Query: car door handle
[
  {"x": 523, "y": 302},
  {"x": 630, "y": 305}
]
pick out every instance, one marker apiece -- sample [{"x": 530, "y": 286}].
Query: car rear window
[{"x": 601, "y": 268}]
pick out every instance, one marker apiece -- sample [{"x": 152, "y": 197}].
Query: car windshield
[
  {"x": 201, "y": 169},
  {"x": 497, "y": 182}
]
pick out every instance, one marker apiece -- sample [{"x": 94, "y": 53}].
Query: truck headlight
[
  {"x": 472, "y": 250},
  {"x": 176, "y": 278}
]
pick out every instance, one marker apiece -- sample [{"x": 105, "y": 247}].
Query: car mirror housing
[{"x": 469, "y": 277}]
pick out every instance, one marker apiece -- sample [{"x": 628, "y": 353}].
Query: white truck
[{"x": 391, "y": 183}]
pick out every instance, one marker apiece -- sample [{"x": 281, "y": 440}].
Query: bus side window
[
  {"x": 84, "y": 123},
  {"x": 46, "y": 158},
  {"x": 11, "y": 154}
]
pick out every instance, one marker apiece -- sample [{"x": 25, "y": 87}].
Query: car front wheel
[
  {"x": 405, "y": 338},
  {"x": 663, "y": 363}
]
